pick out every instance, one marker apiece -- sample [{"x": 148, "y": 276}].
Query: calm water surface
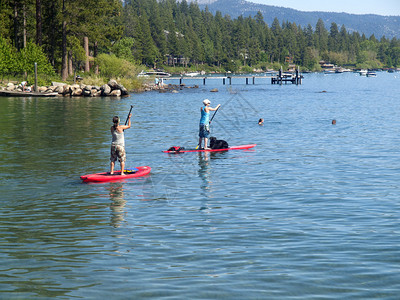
[{"x": 313, "y": 212}]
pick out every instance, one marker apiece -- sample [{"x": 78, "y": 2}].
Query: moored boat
[
  {"x": 192, "y": 74},
  {"x": 153, "y": 73}
]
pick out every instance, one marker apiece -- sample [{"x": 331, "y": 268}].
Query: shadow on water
[{"x": 118, "y": 202}]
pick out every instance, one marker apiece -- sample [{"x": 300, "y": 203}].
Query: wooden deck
[
  {"x": 279, "y": 78},
  {"x": 26, "y": 94}
]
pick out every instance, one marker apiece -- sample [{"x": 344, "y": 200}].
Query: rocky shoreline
[{"x": 111, "y": 89}]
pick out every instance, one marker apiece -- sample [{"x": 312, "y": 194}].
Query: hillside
[{"x": 388, "y": 26}]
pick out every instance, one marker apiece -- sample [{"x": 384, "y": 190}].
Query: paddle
[
  {"x": 127, "y": 118},
  {"x": 197, "y": 147},
  {"x": 213, "y": 115},
  {"x": 126, "y": 122}
]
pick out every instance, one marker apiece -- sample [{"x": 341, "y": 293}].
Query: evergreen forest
[{"x": 124, "y": 36}]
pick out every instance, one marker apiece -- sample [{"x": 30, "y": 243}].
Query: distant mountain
[{"x": 388, "y": 26}]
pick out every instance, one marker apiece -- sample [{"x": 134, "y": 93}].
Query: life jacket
[{"x": 176, "y": 148}]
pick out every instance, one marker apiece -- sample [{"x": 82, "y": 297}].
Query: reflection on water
[
  {"x": 204, "y": 171},
  {"x": 116, "y": 192},
  {"x": 312, "y": 212}
]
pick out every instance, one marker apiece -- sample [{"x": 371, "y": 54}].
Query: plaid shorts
[
  {"x": 203, "y": 132},
  {"x": 117, "y": 152}
]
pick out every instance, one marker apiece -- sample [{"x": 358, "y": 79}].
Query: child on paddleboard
[
  {"x": 204, "y": 128},
  {"x": 118, "y": 143}
]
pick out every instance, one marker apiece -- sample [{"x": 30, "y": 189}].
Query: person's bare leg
[
  {"x": 122, "y": 167},
  {"x": 206, "y": 143},
  {"x": 112, "y": 167},
  {"x": 200, "y": 139}
]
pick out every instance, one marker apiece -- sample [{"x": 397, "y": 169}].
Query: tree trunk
[
  {"x": 64, "y": 63},
  {"x": 86, "y": 47},
  {"x": 52, "y": 36},
  {"x": 70, "y": 66},
  {"x": 96, "y": 70},
  {"x": 24, "y": 25},
  {"x": 39, "y": 22},
  {"x": 16, "y": 24}
]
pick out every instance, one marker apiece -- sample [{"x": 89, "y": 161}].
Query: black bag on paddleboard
[{"x": 176, "y": 148}]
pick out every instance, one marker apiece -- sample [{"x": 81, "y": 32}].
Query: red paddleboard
[
  {"x": 241, "y": 147},
  {"x": 106, "y": 176}
]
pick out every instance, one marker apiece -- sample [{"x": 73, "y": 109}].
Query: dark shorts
[
  {"x": 117, "y": 152},
  {"x": 203, "y": 133}
]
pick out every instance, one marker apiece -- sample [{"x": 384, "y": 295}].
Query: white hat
[{"x": 206, "y": 101}]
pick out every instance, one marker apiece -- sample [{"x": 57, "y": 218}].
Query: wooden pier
[
  {"x": 294, "y": 78},
  {"x": 279, "y": 78}
]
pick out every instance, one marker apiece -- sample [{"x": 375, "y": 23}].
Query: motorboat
[
  {"x": 192, "y": 74},
  {"x": 153, "y": 73}
]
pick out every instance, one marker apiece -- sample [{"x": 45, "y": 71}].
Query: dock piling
[{"x": 36, "y": 81}]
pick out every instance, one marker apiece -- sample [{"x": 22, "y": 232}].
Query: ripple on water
[{"x": 311, "y": 212}]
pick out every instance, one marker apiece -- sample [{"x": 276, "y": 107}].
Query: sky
[{"x": 378, "y": 7}]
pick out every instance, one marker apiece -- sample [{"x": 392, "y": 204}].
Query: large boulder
[
  {"x": 113, "y": 84},
  {"x": 42, "y": 89},
  {"x": 105, "y": 89},
  {"x": 10, "y": 86},
  {"x": 59, "y": 89},
  {"x": 76, "y": 92},
  {"x": 97, "y": 93},
  {"x": 115, "y": 93},
  {"x": 87, "y": 87},
  {"x": 67, "y": 90},
  {"x": 86, "y": 93},
  {"x": 124, "y": 91}
]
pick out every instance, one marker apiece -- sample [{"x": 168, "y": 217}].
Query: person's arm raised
[
  {"x": 129, "y": 123},
  {"x": 214, "y": 109}
]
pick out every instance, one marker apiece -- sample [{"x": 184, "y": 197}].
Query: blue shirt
[{"x": 205, "y": 117}]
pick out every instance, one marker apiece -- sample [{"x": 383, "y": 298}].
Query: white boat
[
  {"x": 330, "y": 71},
  {"x": 192, "y": 74},
  {"x": 153, "y": 73},
  {"x": 371, "y": 74},
  {"x": 363, "y": 72}
]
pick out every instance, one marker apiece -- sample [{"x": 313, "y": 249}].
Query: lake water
[{"x": 312, "y": 212}]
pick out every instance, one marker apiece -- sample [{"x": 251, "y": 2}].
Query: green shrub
[
  {"x": 31, "y": 54},
  {"x": 8, "y": 58},
  {"x": 111, "y": 66}
]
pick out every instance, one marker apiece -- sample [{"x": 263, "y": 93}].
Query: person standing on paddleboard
[
  {"x": 118, "y": 143},
  {"x": 204, "y": 128}
]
